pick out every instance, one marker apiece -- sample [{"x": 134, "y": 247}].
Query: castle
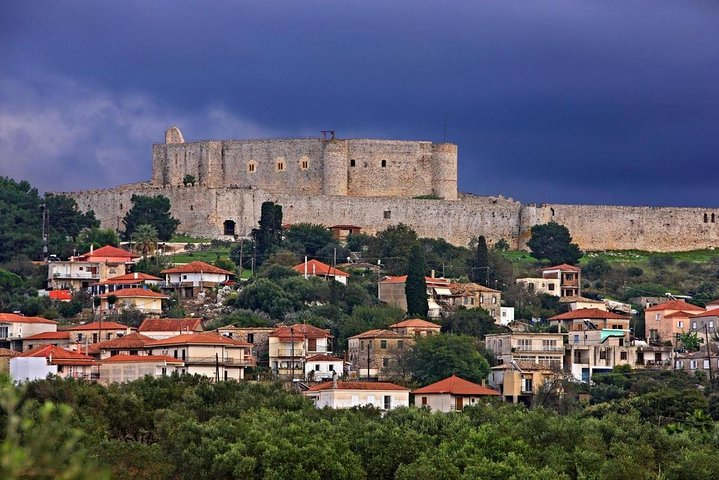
[{"x": 373, "y": 184}]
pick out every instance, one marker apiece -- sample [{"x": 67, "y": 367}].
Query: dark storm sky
[{"x": 575, "y": 102}]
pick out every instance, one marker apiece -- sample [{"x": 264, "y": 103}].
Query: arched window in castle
[
  {"x": 352, "y": 163},
  {"x": 304, "y": 163},
  {"x": 280, "y": 164},
  {"x": 713, "y": 218},
  {"x": 251, "y": 166},
  {"x": 229, "y": 227},
  {"x": 384, "y": 163},
  {"x": 706, "y": 218}
]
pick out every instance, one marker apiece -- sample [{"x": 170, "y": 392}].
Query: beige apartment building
[
  {"x": 546, "y": 349},
  {"x": 373, "y": 351}
]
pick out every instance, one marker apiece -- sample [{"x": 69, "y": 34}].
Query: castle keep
[{"x": 373, "y": 184}]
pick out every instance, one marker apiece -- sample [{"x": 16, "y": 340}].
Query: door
[
  {"x": 312, "y": 344},
  {"x": 459, "y": 403}
]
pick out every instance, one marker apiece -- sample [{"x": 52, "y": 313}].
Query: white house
[
  {"x": 451, "y": 394},
  {"x": 195, "y": 277},
  {"x": 126, "y": 368},
  {"x": 315, "y": 268},
  {"x": 323, "y": 367},
  {"x": 336, "y": 394},
  {"x": 159, "y": 328},
  {"x": 13, "y": 328}
]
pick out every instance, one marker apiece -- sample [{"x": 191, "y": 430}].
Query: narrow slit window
[{"x": 384, "y": 163}]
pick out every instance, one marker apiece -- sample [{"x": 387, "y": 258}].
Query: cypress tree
[
  {"x": 481, "y": 262},
  {"x": 269, "y": 234},
  {"x": 416, "y": 286}
]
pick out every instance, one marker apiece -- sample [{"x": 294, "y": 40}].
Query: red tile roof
[
  {"x": 714, "y": 312},
  {"x": 61, "y": 295},
  {"x": 130, "y": 278},
  {"x": 198, "y": 339},
  {"x": 108, "y": 251},
  {"x": 98, "y": 326},
  {"x": 132, "y": 341},
  {"x": 171, "y": 325},
  {"x": 456, "y": 386},
  {"x": 324, "y": 358},
  {"x": 463, "y": 288},
  {"x": 133, "y": 293},
  {"x": 674, "y": 305},
  {"x": 14, "y": 318},
  {"x": 563, "y": 267},
  {"x": 59, "y": 356},
  {"x": 678, "y": 314},
  {"x": 415, "y": 323},
  {"x": 300, "y": 331},
  {"x": 141, "y": 359},
  {"x": 319, "y": 269},
  {"x": 357, "y": 386},
  {"x": 49, "y": 336},
  {"x": 197, "y": 267},
  {"x": 588, "y": 313}
]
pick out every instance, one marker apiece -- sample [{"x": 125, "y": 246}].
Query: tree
[
  {"x": 553, "y": 242},
  {"x": 153, "y": 211},
  {"x": 393, "y": 247},
  {"x": 145, "y": 239},
  {"x": 501, "y": 246},
  {"x": 416, "y": 286},
  {"x": 269, "y": 235},
  {"x": 690, "y": 341},
  {"x": 439, "y": 356},
  {"x": 97, "y": 237},
  {"x": 308, "y": 238},
  {"x": 20, "y": 220},
  {"x": 475, "y": 322},
  {"x": 66, "y": 221},
  {"x": 188, "y": 180},
  {"x": 479, "y": 271}
]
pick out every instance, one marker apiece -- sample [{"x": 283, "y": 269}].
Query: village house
[
  {"x": 258, "y": 337},
  {"x": 140, "y": 299},
  {"x": 342, "y": 232},
  {"x": 705, "y": 322},
  {"x": 127, "y": 368},
  {"x": 159, "y": 328},
  {"x": 545, "y": 349},
  {"x": 14, "y": 328},
  {"x": 96, "y": 332},
  {"x": 195, "y": 277},
  {"x": 391, "y": 290},
  {"x": 321, "y": 367},
  {"x": 474, "y": 295},
  {"x": 338, "y": 394},
  {"x": 5, "y": 355},
  {"x": 289, "y": 348},
  {"x": 95, "y": 266},
  {"x": 207, "y": 354},
  {"x": 451, "y": 394},
  {"x": 560, "y": 280},
  {"x": 579, "y": 303},
  {"x": 576, "y": 321},
  {"x": 315, "y": 268},
  {"x": 694, "y": 363},
  {"x": 58, "y": 339},
  {"x": 129, "y": 280},
  {"x": 134, "y": 344},
  {"x": 663, "y": 322},
  {"x": 38, "y": 363},
  {"x": 375, "y": 351},
  {"x": 416, "y": 327},
  {"x": 519, "y": 381}
]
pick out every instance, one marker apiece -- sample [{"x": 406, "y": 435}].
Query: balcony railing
[
  {"x": 77, "y": 275},
  {"x": 231, "y": 361},
  {"x": 542, "y": 348}
]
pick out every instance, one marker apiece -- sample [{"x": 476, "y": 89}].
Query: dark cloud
[{"x": 575, "y": 102}]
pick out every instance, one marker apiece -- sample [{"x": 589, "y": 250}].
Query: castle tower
[
  {"x": 444, "y": 170},
  {"x": 334, "y": 167}
]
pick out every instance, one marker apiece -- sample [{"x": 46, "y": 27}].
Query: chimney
[
  {"x": 432, "y": 273},
  {"x": 135, "y": 275},
  {"x": 484, "y": 382},
  {"x": 92, "y": 247}
]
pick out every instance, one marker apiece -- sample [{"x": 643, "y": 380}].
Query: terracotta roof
[
  {"x": 97, "y": 326},
  {"x": 456, "y": 386},
  {"x": 460, "y": 288},
  {"x": 197, "y": 267},
  {"x": 141, "y": 359},
  {"x": 133, "y": 293},
  {"x": 108, "y": 251},
  {"x": 324, "y": 358},
  {"x": 61, "y": 295},
  {"x": 403, "y": 279},
  {"x": 589, "y": 313},
  {"x": 300, "y": 331},
  {"x": 357, "y": 386},
  {"x": 678, "y": 314},
  {"x": 674, "y": 305},
  {"x": 171, "y": 325},
  {"x": 64, "y": 335},
  {"x": 6, "y": 352},
  {"x": 198, "y": 339},
  {"x": 563, "y": 267},
  {"x": 714, "y": 302},
  {"x": 576, "y": 298},
  {"x": 317, "y": 268},
  {"x": 131, "y": 340},
  {"x": 14, "y": 318},
  {"x": 416, "y": 323},
  {"x": 714, "y": 312},
  {"x": 130, "y": 278},
  {"x": 378, "y": 333},
  {"x": 58, "y": 355}
]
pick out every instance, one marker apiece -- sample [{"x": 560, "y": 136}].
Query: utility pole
[
  {"x": 292, "y": 352},
  {"x": 369, "y": 346},
  {"x": 709, "y": 356},
  {"x": 217, "y": 368},
  {"x": 242, "y": 246},
  {"x": 45, "y": 228},
  {"x": 254, "y": 258}
]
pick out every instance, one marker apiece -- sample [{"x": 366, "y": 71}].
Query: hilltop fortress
[{"x": 373, "y": 184}]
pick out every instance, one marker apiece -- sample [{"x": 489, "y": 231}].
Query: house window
[
  {"x": 387, "y": 402},
  {"x": 679, "y": 364},
  {"x": 694, "y": 325},
  {"x": 353, "y": 163},
  {"x": 251, "y": 167},
  {"x": 4, "y": 332},
  {"x": 317, "y": 367},
  {"x": 602, "y": 355},
  {"x": 711, "y": 324},
  {"x": 250, "y": 338},
  {"x": 481, "y": 299},
  {"x": 525, "y": 343},
  {"x": 164, "y": 371},
  {"x": 550, "y": 287},
  {"x": 387, "y": 214},
  {"x": 184, "y": 277},
  {"x": 693, "y": 364},
  {"x": 108, "y": 336},
  {"x": 658, "y": 316},
  {"x": 332, "y": 368},
  {"x": 94, "y": 338},
  {"x": 384, "y": 163},
  {"x": 622, "y": 355},
  {"x": 385, "y": 362},
  {"x": 494, "y": 300},
  {"x": 680, "y": 324},
  {"x": 383, "y": 344},
  {"x": 280, "y": 166},
  {"x": 400, "y": 344},
  {"x": 80, "y": 337},
  {"x": 229, "y": 227},
  {"x": 424, "y": 401},
  {"x": 526, "y": 385},
  {"x": 706, "y": 365}
]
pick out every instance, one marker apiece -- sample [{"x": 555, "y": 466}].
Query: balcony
[
  {"x": 542, "y": 348},
  {"x": 227, "y": 361},
  {"x": 76, "y": 276},
  {"x": 296, "y": 353}
]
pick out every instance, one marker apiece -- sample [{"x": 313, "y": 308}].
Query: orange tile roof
[
  {"x": 456, "y": 386},
  {"x": 678, "y": 314},
  {"x": 49, "y": 336},
  {"x": 198, "y": 339},
  {"x": 61, "y": 295},
  {"x": 714, "y": 312},
  {"x": 108, "y": 251},
  {"x": 299, "y": 331},
  {"x": 58, "y": 355},
  {"x": 460, "y": 288},
  {"x": 324, "y": 358},
  {"x": 141, "y": 359},
  {"x": 130, "y": 278},
  {"x": 588, "y": 313},
  {"x": 97, "y": 326},
  {"x": 357, "y": 386},
  {"x": 15, "y": 318},
  {"x": 171, "y": 325},
  {"x": 416, "y": 323},
  {"x": 197, "y": 267},
  {"x": 131, "y": 340},
  {"x": 379, "y": 333},
  {"x": 319, "y": 269},
  {"x": 674, "y": 305},
  {"x": 563, "y": 267},
  {"x": 133, "y": 293}
]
